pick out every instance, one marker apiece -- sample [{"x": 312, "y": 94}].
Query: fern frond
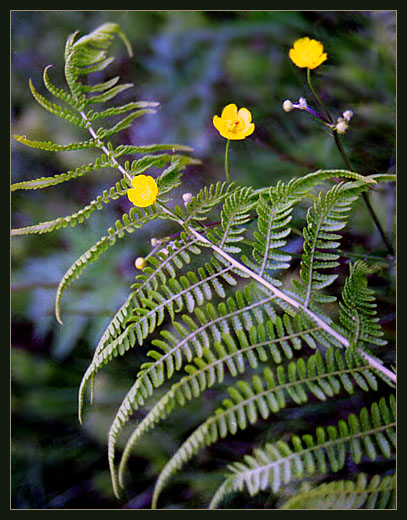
[
  {"x": 325, "y": 218},
  {"x": 56, "y": 91},
  {"x": 45, "y": 182},
  {"x": 257, "y": 344},
  {"x": 320, "y": 377},
  {"x": 49, "y": 146},
  {"x": 377, "y": 493},
  {"x": 204, "y": 201},
  {"x": 116, "y": 191},
  {"x": 149, "y": 302},
  {"x": 193, "y": 336},
  {"x": 88, "y": 54},
  {"x": 150, "y": 280},
  {"x": 57, "y": 110},
  {"x": 136, "y": 218},
  {"x": 234, "y": 215},
  {"x": 124, "y": 123},
  {"x": 123, "y": 149},
  {"x": 92, "y": 115},
  {"x": 370, "y": 435},
  {"x": 358, "y": 308}
]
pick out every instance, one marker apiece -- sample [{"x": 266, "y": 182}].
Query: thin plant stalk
[
  {"x": 227, "y": 160},
  {"x": 346, "y": 160}
]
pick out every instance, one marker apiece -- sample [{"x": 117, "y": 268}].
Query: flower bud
[
  {"x": 186, "y": 197},
  {"x": 140, "y": 263},
  {"x": 348, "y": 115},
  {"x": 287, "y": 105},
  {"x": 341, "y": 127},
  {"x": 154, "y": 242}
]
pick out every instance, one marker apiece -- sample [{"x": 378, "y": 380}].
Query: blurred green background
[{"x": 193, "y": 63}]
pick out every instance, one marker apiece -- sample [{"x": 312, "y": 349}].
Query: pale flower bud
[
  {"x": 154, "y": 242},
  {"x": 341, "y": 127},
  {"x": 186, "y": 197},
  {"x": 287, "y": 105},
  {"x": 140, "y": 263},
  {"x": 348, "y": 115}
]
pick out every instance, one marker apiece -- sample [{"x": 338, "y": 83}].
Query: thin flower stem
[
  {"x": 317, "y": 97},
  {"x": 227, "y": 160},
  {"x": 346, "y": 160}
]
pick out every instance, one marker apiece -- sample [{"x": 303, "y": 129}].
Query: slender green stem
[
  {"x": 317, "y": 97},
  {"x": 346, "y": 160},
  {"x": 227, "y": 160}
]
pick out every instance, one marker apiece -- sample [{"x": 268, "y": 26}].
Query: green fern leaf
[
  {"x": 279, "y": 463},
  {"x": 53, "y": 147},
  {"x": 45, "y": 182},
  {"x": 136, "y": 218},
  {"x": 324, "y": 219},
  {"x": 116, "y": 191},
  {"x": 376, "y": 493},
  {"x": 320, "y": 378},
  {"x": 358, "y": 307}
]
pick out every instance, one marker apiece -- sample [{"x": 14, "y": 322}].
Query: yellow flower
[
  {"x": 144, "y": 191},
  {"x": 234, "y": 124},
  {"x": 307, "y": 53}
]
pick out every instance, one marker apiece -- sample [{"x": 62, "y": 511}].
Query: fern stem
[
  {"x": 104, "y": 147},
  {"x": 279, "y": 294},
  {"x": 297, "y": 305}
]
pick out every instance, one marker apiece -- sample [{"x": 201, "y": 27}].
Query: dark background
[{"x": 193, "y": 63}]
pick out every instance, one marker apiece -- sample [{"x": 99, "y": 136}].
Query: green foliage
[
  {"x": 371, "y": 434},
  {"x": 217, "y": 312}
]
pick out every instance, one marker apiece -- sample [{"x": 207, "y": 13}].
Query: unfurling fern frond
[
  {"x": 376, "y": 493},
  {"x": 371, "y": 435}
]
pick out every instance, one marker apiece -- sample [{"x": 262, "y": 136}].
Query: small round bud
[
  {"x": 154, "y": 241},
  {"x": 186, "y": 197},
  {"x": 348, "y": 114},
  {"x": 287, "y": 105},
  {"x": 341, "y": 127},
  {"x": 140, "y": 263}
]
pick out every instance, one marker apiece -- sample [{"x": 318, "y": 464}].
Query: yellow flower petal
[
  {"x": 307, "y": 53},
  {"x": 144, "y": 192},
  {"x": 245, "y": 115},
  {"x": 234, "y": 124},
  {"x": 229, "y": 112}
]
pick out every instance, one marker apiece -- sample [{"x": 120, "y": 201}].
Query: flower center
[
  {"x": 145, "y": 193},
  {"x": 235, "y": 125}
]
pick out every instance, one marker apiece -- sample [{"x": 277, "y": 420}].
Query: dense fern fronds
[
  {"x": 370, "y": 435},
  {"x": 321, "y": 377},
  {"x": 376, "y": 493}
]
